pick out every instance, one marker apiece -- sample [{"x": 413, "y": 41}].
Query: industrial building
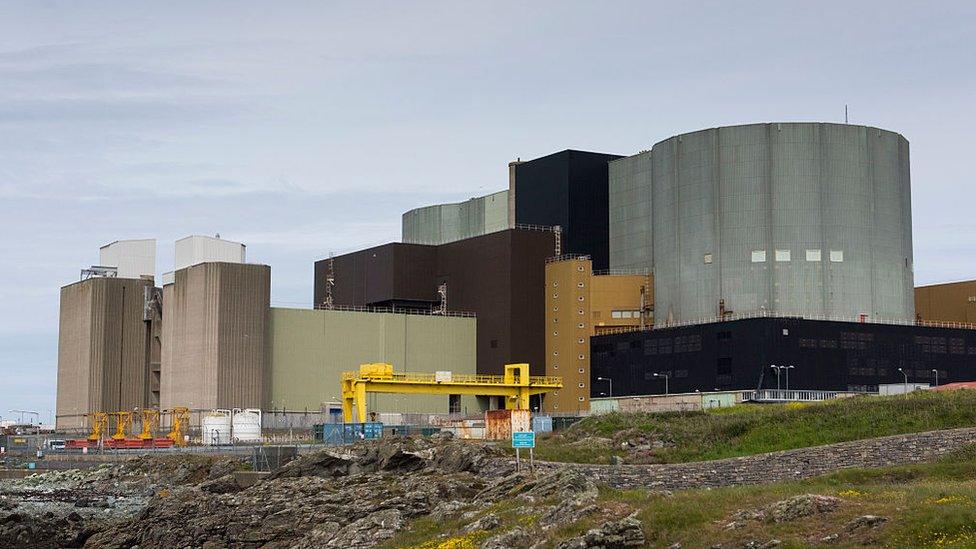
[
  {"x": 793, "y": 219},
  {"x": 498, "y": 277},
  {"x": 824, "y": 355},
  {"x": 106, "y": 345},
  {"x": 581, "y": 303},
  {"x": 692, "y": 266},
  {"x": 311, "y": 348},
  {"x": 953, "y": 302},
  {"x": 568, "y": 189},
  {"x": 215, "y": 325}
]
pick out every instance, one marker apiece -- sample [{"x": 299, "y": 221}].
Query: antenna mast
[
  {"x": 330, "y": 283},
  {"x": 442, "y": 292}
]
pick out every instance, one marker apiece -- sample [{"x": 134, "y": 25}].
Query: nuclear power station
[{"x": 694, "y": 265}]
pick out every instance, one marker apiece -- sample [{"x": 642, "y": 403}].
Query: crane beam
[{"x": 516, "y": 385}]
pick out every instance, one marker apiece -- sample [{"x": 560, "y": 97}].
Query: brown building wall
[
  {"x": 496, "y": 276},
  {"x": 103, "y": 353},
  {"x": 214, "y": 351},
  {"x": 952, "y": 302},
  {"x": 579, "y": 305}
]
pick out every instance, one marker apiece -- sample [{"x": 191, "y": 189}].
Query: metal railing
[
  {"x": 464, "y": 379},
  {"x": 567, "y": 257},
  {"x": 394, "y": 310},
  {"x": 621, "y": 272},
  {"x": 785, "y": 315},
  {"x": 789, "y": 395}
]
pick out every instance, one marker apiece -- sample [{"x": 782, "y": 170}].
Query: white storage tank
[
  {"x": 247, "y": 425},
  {"x": 216, "y": 427}
]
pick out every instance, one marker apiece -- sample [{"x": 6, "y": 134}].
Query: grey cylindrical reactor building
[{"x": 805, "y": 219}]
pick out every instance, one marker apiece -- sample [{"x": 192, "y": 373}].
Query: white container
[
  {"x": 215, "y": 427},
  {"x": 247, "y": 425}
]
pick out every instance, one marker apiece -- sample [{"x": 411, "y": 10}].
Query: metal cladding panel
[
  {"x": 952, "y": 302},
  {"x": 103, "y": 353},
  {"x": 445, "y": 223},
  {"x": 216, "y": 320},
  {"x": 133, "y": 258},
  {"x": 497, "y": 276},
  {"x": 796, "y": 219},
  {"x": 194, "y": 250},
  {"x": 569, "y": 189},
  {"x": 631, "y": 245},
  {"x": 311, "y": 348},
  {"x": 736, "y": 355}
]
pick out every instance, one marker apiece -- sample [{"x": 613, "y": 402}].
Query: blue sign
[{"x": 523, "y": 439}]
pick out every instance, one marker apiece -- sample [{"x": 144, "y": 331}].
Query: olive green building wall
[{"x": 310, "y": 348}]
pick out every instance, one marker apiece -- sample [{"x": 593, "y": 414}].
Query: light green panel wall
[{"x": 310, "y": 348}]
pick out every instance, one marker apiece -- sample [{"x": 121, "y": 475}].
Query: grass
[
  {"x": 753, "y": 429},
  {"x": 928, "y": 505}
]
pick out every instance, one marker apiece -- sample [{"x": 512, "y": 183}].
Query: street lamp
[
  {"x": 665, "y": 376},
  {"x": 904, "y": 373},
  {"x": 936, "y": 372},
  {"x": 776, "y": 369},
  {"x": 608, "y": 380},
  {"x": 787, "y": 368}
]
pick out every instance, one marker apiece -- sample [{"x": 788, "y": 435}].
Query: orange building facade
[
  {"x": 580, "y": 304},
  {"x": 951, "y": 302}
]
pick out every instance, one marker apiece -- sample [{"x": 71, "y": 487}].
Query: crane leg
[{"x": 361, "y": 402}]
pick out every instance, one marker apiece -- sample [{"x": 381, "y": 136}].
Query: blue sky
[{"x": 302, "y": 128}]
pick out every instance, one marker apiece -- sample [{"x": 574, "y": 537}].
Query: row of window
[
  {"x": 783, "y": 256},
  {"x": 625, "y": 314}
]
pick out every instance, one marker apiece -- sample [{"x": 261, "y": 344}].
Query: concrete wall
[
  {"x": 103, "y": 356},
  {"x": 311, "y": 348},
  {"x": 631, "y": 244},
  {"x": 799, "y": 219},
  {"x": 214, "y": 352},
  {"x": 443, "y": 223},
  {"x": 785, "y": 466},
  {"x": 952, "y": 302}
]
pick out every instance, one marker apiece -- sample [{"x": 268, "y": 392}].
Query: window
[
  {"x": 759, "y": 256},
  {"x": 580, "y": 311},
  {"x": 580, "y": 340},
  {"x": 580, "y": 298},
  {"x": 555, "y": 334},
  {"x": 582, "y": 371},
  {"x": 581, "y": 325},
  {"x": 494, "y": 344},
  {"x": 813, "y": 255},
  {"x": 555, "y": 296},
  {"x": 555, "y": 284},
  {"x": 836, "y": 256},
  {"x": 708, "y": 259},
  {"x": 581, "y": 399},
  {"x": 579, "y": 284},
  {"x": 582, "y": 357},
  {"x": 555, "y": 353},
  {"x": 555, "y": 309},
  {"x": 581, "y": 385},
  {"x": 555, "y": 367},
  {"x": 782, "y": 255},
  {"x": 617, "y": 314}
]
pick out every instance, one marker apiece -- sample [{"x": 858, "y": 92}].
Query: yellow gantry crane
[
  {"x": 150, "y": 423},
  {"x": 516, "y": 385},
  {"x": 181, "y": 420},
  {"x": 99, "y": 423},
  {"x": 123, "y": 424}
]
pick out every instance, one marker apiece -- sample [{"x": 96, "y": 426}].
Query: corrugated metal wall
[{"x": 311, "y": 348}]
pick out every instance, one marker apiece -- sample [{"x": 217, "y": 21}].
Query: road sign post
[{"x": 523, "y": 439}]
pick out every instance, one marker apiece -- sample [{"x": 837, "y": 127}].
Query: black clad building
[
  {"x": 826, "y": 355},
  {"x": 569, "y": 189}
]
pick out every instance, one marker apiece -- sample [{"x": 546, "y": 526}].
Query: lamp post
[
  {"x": 936, "y": 372},
  {"x": 665, "y": 376},
  {"x": 787, "y": 368},
  {"x": 904, "y": 373},
  {"x": 608, "y": 380},
  {"x": 776, "y": 369}
]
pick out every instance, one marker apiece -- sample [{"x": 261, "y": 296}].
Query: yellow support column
[{"x": 361, "y": 402}]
